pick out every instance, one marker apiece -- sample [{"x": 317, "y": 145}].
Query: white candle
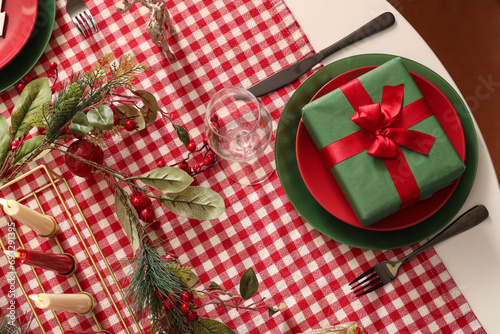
[
  {"x": 41, "y": 224},
  {"x": 80, "y": 303}
]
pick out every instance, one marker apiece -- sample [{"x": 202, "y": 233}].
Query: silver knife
[{"x": 295, "y": 71}]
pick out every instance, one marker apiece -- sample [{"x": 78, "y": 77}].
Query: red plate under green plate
[
  {"x": 18, "y": 26},
  {"x": 314, "y": 213},
  {"x": 325, "y": 189}
]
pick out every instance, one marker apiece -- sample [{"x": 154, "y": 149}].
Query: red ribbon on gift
[{"x": 384, "y": 126}]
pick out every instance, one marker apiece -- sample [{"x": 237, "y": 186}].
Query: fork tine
[
  {"x": 85, "y": 24},
  {"x": 369, "y": 271},
  {"x": 90, "y": 19},
  {"x": 373, "y": 288},
  {"x": 365, "y": 280},
  {"x": 78, "y": 26}
]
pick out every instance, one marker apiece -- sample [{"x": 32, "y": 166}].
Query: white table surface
[{"x": 473, "y": 258}]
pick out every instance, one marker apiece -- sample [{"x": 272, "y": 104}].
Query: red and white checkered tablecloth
[{"x": 217, "y": 44}]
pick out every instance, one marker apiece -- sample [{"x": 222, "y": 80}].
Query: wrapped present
[{"x": 382, "y": 142}]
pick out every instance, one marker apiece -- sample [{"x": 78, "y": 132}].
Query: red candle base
[{"x": 63, "y": 264}]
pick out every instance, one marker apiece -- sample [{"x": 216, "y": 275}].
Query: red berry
[
  {"x": 192, "y": 316},
  {"x": 183, "y": 165},
  {"x": 15, "y": 142},
  {"x": 170, "y": 257},
  {"x": 20, "y": 87},
  {"x": 168, "y": 304},
  {"x": 115, "y": 120},
  {"x": 53, "y": 65},
  {"x": 159, "y": 295},
  {"x": 53, "y": 89},
  {"x": 196, "y": 168},
  {"x": 147, "y": 200},
  {"x": 191, "y": 146},
  {"x": 207, "y": 161},
  {"x": 138, "y": 203},
  {"x": 205, "y": 141},
  {"x": 129, "y": 125},
  {"x": 160, "y": 162},
  {"x": 186, "y": 296},
  {"x": 189, "y": 170},
  {"x": 148, "y": 215},
  {"x": 186, "y": 308},
  {"x": 27, "y": 78},
  {"x": 83, "y": 149}
]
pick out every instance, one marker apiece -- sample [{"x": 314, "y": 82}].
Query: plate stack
[
  {"x": 27, "y": 27},
  {"x": 314, "y": 192}
]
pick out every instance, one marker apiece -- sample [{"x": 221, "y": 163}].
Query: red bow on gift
[{"x": 379, "y": 120}]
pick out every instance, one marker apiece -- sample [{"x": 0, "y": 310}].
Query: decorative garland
[{"x": 88, "y": 108}]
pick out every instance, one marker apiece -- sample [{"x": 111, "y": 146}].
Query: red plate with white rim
[
  {"x": 20, "y": 18},
  {"x": 322, "y": 185}
]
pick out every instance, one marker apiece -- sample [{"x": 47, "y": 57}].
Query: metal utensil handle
[
  {"x": 463, "y": 223},
  {"x": 381, "y": 22}
]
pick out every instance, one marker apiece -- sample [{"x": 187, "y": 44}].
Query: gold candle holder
[{"x": 54, "y": 181}]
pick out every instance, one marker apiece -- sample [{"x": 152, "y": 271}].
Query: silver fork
[
  {"x": 81, "y": 17},
  {"x": 386, "y": 271}
]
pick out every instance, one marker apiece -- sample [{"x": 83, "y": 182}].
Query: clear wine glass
[{"x": 239, "y": 129}]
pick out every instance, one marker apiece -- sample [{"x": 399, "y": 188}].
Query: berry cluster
[
  {"x": 144, "y": 207},
  {"x": 184, "y": 302},
  {"x": 200, "y": 164},
  {"x": 52, "y": 71}
]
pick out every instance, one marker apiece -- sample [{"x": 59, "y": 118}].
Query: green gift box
[{"x": 382, "y": 143}]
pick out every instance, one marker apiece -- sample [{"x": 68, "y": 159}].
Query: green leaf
[
  {"x": 148, "y": 99},
  {"x": 5, "y": 139},
  {"x": 166, "y": 179},
  {"x": 210, "y": 326},
  {"x": 191, "y": 279},
  {"x": 126, "y": 221},
  {"x": 28, "y": 147},
  {"x": 149, "y": 116},
  {"x": 101, "y": 118},
  {"x": 182, "y": 134},
  {"x": 248, "y": 284},
  {"x": 35, "y": 94},
  {"x": 80, "y": 124},
  {"x": 134, "y": 114},
  {"x": 195, "y": 202}
]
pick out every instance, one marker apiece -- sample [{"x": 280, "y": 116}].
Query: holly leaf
[
  {"x": 134, "y": 114},
  {"x": 5, "y": 139},
  {"x": 166, "y": 179},
  {"x": 80, "y": 124},
  {"x": 34, "y": 95},
  {"x": 126, "y": 221},
  {"x": 101, "y": 118},
  {"x": 210, "y": 326},
  {"x": 28, "y": 147},
  {"x": 148, "y": 99},
  {"x": 182, "y": 134},
  {"x": 248, "y": 284},
  {"x": 195, "y": 202}
]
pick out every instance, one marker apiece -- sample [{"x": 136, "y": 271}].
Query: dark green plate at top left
[
  {"x": 34, "y": 48},
  {"x": 322, "y": 220}
]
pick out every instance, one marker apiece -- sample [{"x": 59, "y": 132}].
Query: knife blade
[{"x": 295, "y": 71}]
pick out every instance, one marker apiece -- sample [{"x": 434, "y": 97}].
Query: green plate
[
  {"x": 34, "y": 48},
  {"x": 319, "y": 218}
]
